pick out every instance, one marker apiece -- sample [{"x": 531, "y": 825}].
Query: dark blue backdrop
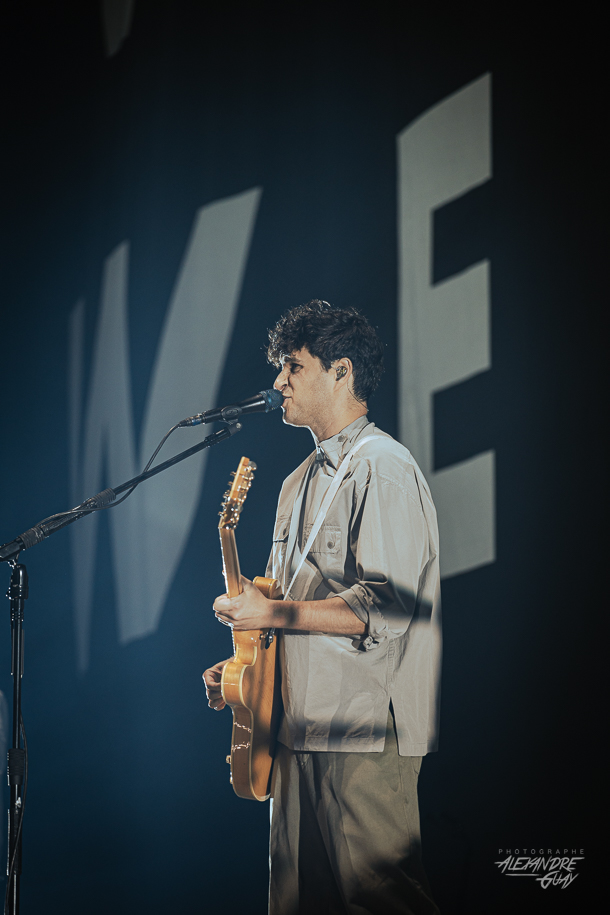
[{"x": 129, "y": 804}]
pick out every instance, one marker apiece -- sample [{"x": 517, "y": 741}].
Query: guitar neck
[{"x": 230, "y": 562}]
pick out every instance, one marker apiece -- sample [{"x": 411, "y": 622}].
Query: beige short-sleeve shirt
[{"x": 378, "y": 550}]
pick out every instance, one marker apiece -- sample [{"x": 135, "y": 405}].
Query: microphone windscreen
[{"x": 273, "y": 399}]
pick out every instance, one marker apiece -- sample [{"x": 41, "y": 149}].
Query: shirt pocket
[
  {"x": 280, "y": 543},
  {"x": 326, "y": 551},
  {"x": 328, "y": 539}
]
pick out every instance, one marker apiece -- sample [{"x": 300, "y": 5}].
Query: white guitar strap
[{"x": 326, "y": 503}]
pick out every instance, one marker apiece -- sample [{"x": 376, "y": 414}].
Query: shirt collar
[{"x": 334, "y": 449}]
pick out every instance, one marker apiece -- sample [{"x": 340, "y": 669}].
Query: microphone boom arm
[{"x": 9, "y": 551}]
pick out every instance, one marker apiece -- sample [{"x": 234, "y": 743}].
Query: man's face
[{"x": 308, "y": 389}]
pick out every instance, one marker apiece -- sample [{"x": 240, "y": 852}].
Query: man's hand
[
  {"x": 249, "y": 610},
  {"x": 211, "y": 678}
]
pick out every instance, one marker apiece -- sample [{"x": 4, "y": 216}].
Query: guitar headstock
[{"x": 235, "y": 497}]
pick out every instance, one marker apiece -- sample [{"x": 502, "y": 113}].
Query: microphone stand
[{"x": 17, "y": 593}]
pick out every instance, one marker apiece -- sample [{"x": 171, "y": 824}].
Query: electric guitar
[{"x": 250, "y": 680}]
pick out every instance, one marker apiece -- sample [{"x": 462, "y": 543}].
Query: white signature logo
[{"x": 552, "y": 869}]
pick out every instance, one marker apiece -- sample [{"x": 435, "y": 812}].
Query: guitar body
[
  {"x": 251, "y": 686},
  {"x": 250, "y": 680}
]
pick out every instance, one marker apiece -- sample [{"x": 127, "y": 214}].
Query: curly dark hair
[{"x": 329, "y": 334}]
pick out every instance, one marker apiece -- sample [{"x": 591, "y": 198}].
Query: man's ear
[{"x": 342, "y": 368}]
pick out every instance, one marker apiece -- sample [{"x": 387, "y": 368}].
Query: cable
[
  {"x": 11, "y": 868},
  {"x": 98, "y": 508}
]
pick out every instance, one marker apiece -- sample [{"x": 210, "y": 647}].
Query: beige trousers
[{"x": 345, "y": 834}]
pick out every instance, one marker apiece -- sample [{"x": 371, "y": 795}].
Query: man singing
[{"x": 361, "y": 642}]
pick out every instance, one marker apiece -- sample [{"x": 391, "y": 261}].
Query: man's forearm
[
  {"x": 331, "y": 615},
  {"x": 252, "y": 610}
]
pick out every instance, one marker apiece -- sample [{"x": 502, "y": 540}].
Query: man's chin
[{"x": 289, "y": 420}]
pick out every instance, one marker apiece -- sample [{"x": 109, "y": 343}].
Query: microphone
[{"x": 263, "y": 402}]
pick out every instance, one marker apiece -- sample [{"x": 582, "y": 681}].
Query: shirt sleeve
[{"x": 391, "y": 546}]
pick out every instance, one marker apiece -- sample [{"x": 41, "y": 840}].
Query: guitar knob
[{"x": 228, "y": 759}]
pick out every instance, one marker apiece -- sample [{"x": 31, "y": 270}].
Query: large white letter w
[{"x": 149, "y": 532}]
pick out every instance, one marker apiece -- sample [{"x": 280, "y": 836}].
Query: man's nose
[{"x": 280, "y": 381}]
